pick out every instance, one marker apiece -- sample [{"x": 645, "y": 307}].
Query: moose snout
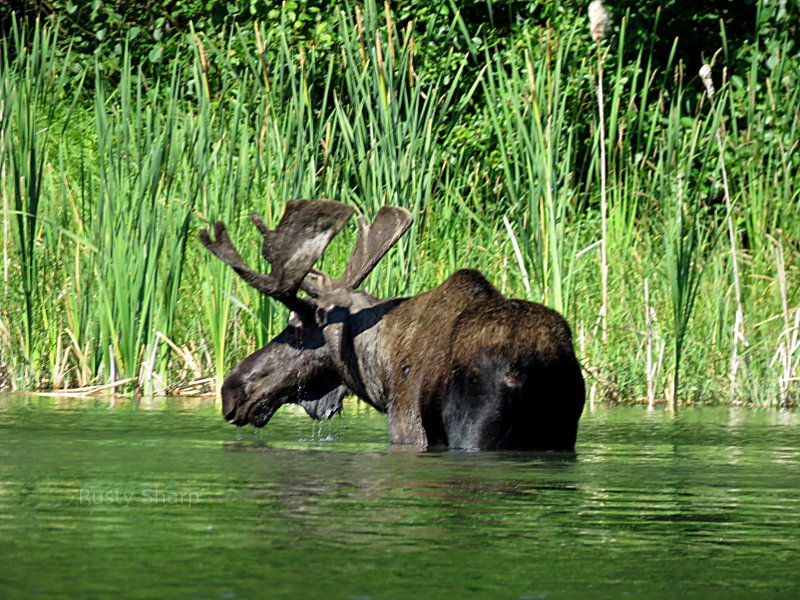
[
  {"x": 228, "y": 412},
  {"x": 228, "y": 409},
  {"x": 229, "y": 403}
]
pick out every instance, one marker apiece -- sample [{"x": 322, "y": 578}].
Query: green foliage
[
  {"x": 151, "y": 34},
  {"x": 30, "y": 99},
  {"x": 484, "y": 121},
  {"x": 531, "y": 114}
]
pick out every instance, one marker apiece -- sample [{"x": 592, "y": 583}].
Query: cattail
[
  {"x": 705, "y": 75},
  {"x": 598, "y": 19},
  {"x": 204, "y": 64}
]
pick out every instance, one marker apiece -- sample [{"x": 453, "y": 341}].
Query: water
[{"x": 125, "y": 499}]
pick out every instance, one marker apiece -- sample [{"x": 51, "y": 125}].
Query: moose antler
[
  {"x": 304, "y": 231},
  {"x": 372, "y": 243}
]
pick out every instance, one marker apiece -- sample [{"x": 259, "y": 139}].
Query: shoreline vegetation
[{"x": 651, "y": 197}]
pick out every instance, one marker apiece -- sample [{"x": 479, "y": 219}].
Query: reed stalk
[
  {"x": 599, "y": 21},
  {"x": 390, "y": 124},
  {"x": 686, "y": 233},
  {"x": 31, "y": 95},
  {"x": 788, "y": 351},
  {"x": 738, "y": 326},
  {"x": 527, "y": 110},
  {"x": 654, "y": 349}
]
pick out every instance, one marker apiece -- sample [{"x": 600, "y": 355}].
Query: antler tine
[
  {"x": 304, "y": 231},
  {"x": 258, "y": 221},
  {"x": 317, "y": 283},
  {"x": 223, "y": 248},
  {"x": 373, "y": 242}
]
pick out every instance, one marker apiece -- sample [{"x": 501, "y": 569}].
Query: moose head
[
  {"x": 298, "y": 365},
  {"x": 459, "y": 365}
]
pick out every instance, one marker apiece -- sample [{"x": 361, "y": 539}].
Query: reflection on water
[{"x": 102, "y": 498}]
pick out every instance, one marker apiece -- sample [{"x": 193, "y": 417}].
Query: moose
[{"x": 459, "y": 366}]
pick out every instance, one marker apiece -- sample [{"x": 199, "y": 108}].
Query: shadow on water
[{"x": 96, "y": 492}]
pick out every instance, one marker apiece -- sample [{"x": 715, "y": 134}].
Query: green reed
[
  {"x": 391, "y": 127},
  {"x": 105, "y": 282},
  {"x": 32, "y": 94},
  {"x": 528, "y": 109},
  {"x": 140, "y": 206}
]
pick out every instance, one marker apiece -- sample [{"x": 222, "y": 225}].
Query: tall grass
[
  {"x": 31, "y": 95},
  {"x": 686, "y": 230},
  {"x": 390, "y": 128},
  {"x": 527, "y": 107},
  {"x": 499, "y": 158}
]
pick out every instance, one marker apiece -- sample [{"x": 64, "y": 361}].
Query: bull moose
[{"x": 459, "y": 366}]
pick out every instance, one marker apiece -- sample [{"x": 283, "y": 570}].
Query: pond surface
[{"x": 162, "y": 499}]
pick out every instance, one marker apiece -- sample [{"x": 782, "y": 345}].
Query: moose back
[{"x": 459, "y": 366}]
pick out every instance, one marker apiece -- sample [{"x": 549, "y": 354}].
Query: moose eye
[
  {"x": 294, "y": 335},
  {"x": 331, "y": 314}
]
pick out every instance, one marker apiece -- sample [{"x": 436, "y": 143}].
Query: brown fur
[
  {"x": 435, "y": 353},
  {"x": 459, "y": 366}
]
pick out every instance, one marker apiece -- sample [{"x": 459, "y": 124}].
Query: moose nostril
[
  {"x": 228, "y": 410},
  {"x": 228, "y": 402}
]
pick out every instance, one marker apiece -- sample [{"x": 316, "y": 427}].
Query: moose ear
[
  {"x": 304, "y": 231},
  {"x": 373, "y": 242}
]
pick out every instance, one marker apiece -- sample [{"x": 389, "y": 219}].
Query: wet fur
[
  {"x": 462, "y": 366},
  {"x": 458, "y": 366}
]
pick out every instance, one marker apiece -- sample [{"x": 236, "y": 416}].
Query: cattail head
[
  {"x": 705, "y": 75},
  {"x": 599, "y": 20}
]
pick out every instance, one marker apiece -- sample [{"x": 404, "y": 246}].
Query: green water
[{"x": 162, "y": 499}]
